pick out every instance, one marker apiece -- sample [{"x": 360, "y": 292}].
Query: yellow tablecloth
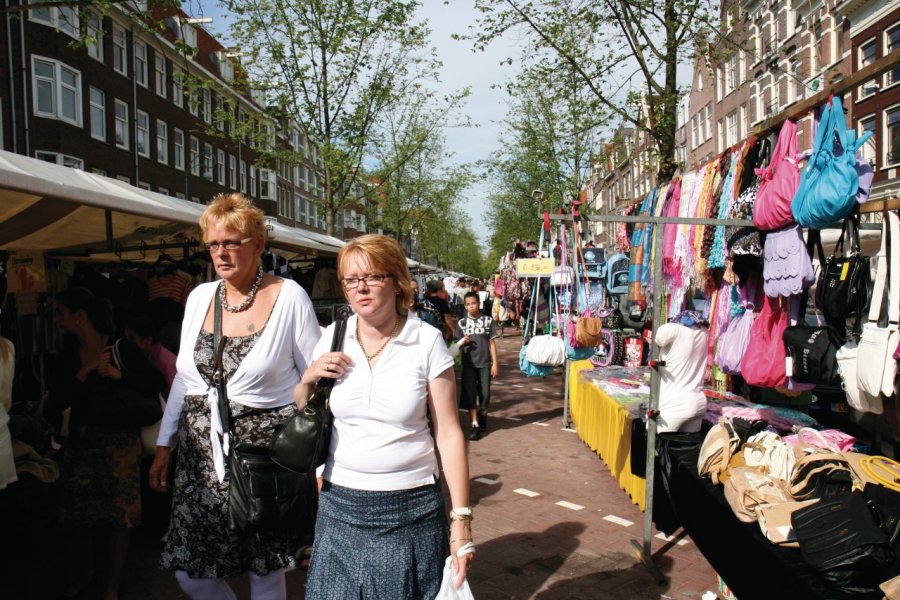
[{"x": 605, "y": 426}]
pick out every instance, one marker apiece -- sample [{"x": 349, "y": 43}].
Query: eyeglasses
[
  {"x": 227, "y": 244},
  {"x": 351, "y": 283}
]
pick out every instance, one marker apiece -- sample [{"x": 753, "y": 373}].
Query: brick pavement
[{"x": 529, "y": 546}]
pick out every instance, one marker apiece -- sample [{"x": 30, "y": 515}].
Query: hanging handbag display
[
  {"x": 301, "y": 442},
  {"x": 876, "y": 367},
  {"x": 788, "y": 268},
  {"x": 763, "y": 363},
  {"x": 778, "y": 183},
  {"x": 844, "y": 284},
  {"x": 812, "y": 353},
  {"x": 829, "y": 182},
  {"x": 262, "y": 495}
]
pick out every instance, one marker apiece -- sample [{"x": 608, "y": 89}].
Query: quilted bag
[
  {"x": 788, "y": 268},
  {"x": 876, "y": 367},
  {"x": 778, "y": 183},
  {"x": 763, "y": 363},
  {"x": 830, "y": 182}
]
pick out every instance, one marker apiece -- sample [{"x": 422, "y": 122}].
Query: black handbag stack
[
  {"x": 845, "y": 282},
  {"x": 263, "y": 497}
]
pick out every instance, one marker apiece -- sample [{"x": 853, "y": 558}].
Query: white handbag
[
  {"x": 875, "y": 365},
  {"x": 546, "y": 351},
  {"x": 846, "y": 359}
]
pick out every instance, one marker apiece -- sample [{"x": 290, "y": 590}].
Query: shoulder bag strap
[
  {"x": 218, "y": 374},
  {"x": 880, "y": 274},
  {"x": 894, "y": 261},
  {"x": 325, "y": 384}
]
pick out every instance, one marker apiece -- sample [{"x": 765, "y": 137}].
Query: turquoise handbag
[
  {"x": 829, "y": 182},
  {"x": 529, "y": 368}
]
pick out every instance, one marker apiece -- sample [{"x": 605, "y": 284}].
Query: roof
[{"x": 68, "y": 212}]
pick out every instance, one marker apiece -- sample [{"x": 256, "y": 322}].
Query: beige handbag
[
  {"x": 747, "y": 489},
  {"x": 775, "y": 521}
]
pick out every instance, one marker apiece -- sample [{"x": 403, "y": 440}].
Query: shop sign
[
  {"x": 25, "y": 272},
  {"x": 534, "y": 267}
]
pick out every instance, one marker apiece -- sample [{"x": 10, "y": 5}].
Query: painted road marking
[
  {"x": 618, "y": 520},
  {"x": 486, "y": 480},
  {"x": 525, "y": 492},
  {"x": 569, "y": 505},
  {"x": 671, "y": 538}
]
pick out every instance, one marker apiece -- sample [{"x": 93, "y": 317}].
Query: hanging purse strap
[
  {"x": 881, "y": 273},
  {"x": 218, "y": 369},
  {"x": 894, "y": 260},
  {"x": 337, "y": 344}
]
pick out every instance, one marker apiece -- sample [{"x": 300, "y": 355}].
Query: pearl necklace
[
  {"x": 251, "y": 295},
  {"x": 394, "y": 333}
]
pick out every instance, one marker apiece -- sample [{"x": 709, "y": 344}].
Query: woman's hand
[
  {"x": 460, "y": 535},
  {"x": 330, "y": 365},
  {"x": 105, "y": 368},
  {"x": 159, "y": 470}
]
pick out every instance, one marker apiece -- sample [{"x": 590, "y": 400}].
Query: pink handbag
[
  {"x": 778, "y": 183},
  {"x": 763, "y": 363}
]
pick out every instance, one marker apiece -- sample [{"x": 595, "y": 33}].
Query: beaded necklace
[
  {"x": 370, "y": 357},
  {"x": 251, "y": 295}
]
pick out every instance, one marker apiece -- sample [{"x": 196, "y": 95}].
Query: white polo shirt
[{"x": 381, "y": 439}]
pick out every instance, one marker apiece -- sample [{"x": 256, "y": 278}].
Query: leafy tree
[
  {"x": 621, "y": 50},
  {"x": 335, "y": 67}
]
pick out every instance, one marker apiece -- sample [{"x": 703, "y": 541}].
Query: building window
[
  {"x": 820, "y": 47},
  {"x": 140, "y": 63},
  {"x": 163, "y": 191},
  {"x": 60, "y": 159},
  {"x": 57, "y": 90},
  {"x": 892, "y": 41},
  {"x": 178, "y": 139},
  {"x": 865, "y": 58},
  {"x": 731, "y": 74},
  {"x": 98, "y": 114},
  {"x": 267, "y": 184},
  {"x": 63, "y": 18},
  {"x": 193, "y": 103},
  {"x": 143, "y": 133},
  {"x": 178, "y": 88},
  {"x": 892, "y": 139},
  {"x": 121, "y": 124},
  {"x": 120, "y": 49},
  {"x": 144, "y": 185},
  {"x": 220, "y": 113},
  {"x": 159, "y": 70},
  {"x": 220, "y": 167},
  {"x": 195, "y": 156},
  {"x": 162, "y": 141},
  {"x": 731, "y": 132},
  {"x": 207, "y": 162},
  {"x": 798, "y": 86},
  {"x": 868, "y": 149},
  {"x": 243, "y": 177},
  {"x": 232, "y": 172},
  {"x": 180, "y": 195},
  {"x": 252, "y": 182},
  {"x": 708, "y": 123},
  {"x": 95, "y": 33},
  {"x": 207, "y": 105}
]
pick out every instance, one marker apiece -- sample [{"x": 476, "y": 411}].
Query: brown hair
[
  {"x": 234, "y": 211},
  {"x": 384, "y": 254}
]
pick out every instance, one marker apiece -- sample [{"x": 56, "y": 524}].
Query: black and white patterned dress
[{"x": 199, "y": 541}]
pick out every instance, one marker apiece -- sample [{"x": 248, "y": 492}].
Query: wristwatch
[{"x": 461, "y": 514}]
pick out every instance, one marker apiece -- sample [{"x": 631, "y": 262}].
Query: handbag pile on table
[{"x": 810, "y": 491}]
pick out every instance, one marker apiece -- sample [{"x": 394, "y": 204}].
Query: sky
[{"x": 485, "y": 106}]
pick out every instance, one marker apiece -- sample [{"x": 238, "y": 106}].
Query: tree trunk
[{"x": 666, "y": 120}]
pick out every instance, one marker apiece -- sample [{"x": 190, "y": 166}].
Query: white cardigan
[{"x": 266, "y": 376}]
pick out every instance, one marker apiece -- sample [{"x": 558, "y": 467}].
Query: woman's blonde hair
[
  {"x": 234, "y": 211},
  {"x": 383, "y": 254}
]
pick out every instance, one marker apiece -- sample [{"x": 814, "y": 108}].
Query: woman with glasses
[
  {"x": 269, "y": 330},
  {"x": 381, "y": 531}
]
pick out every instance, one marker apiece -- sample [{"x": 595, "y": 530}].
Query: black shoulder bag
[
  {"x": 301, "y": 442},
  {"x": 263, "y": 497},
  {"x": 845, "y": 282}
]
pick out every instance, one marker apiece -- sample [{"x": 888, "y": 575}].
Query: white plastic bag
[{"x": 447, "y": 591}]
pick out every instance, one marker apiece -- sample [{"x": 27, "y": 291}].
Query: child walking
[{"x": 476, "y": 333}]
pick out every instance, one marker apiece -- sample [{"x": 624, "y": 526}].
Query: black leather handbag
[
  {"x": 845, "y": 282},
  {"x": 263, "y": 497},
  {"x": 301, "y": 442},
  {"x": 840, "y": 539}
]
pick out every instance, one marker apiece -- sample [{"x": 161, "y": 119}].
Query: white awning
[{"x": 57, "y": 209}]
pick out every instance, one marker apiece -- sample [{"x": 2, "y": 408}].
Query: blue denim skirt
[{"x": 378, "y": 545}]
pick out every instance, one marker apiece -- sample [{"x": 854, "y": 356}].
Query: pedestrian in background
[{"x": 476, "y": 333}]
